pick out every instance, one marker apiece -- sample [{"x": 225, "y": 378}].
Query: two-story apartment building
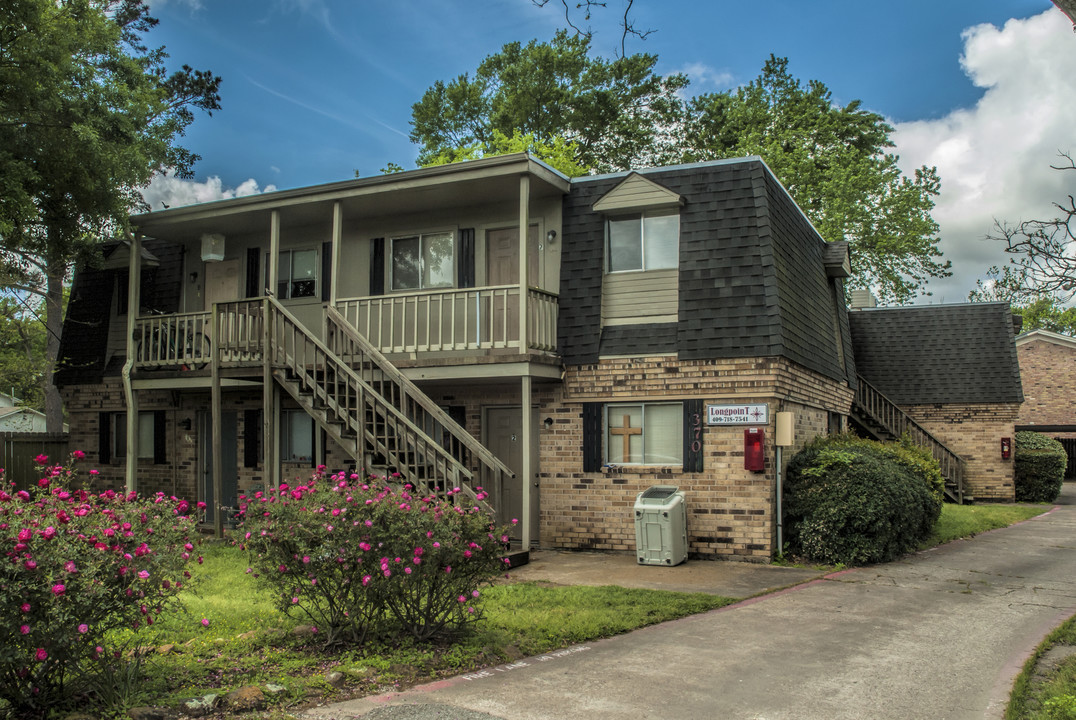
[{"x": 562, "y": 343}]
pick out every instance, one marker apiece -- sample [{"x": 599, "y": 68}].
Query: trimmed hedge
[
  {"x": 855, "y": 501},
  {"x": 1039, "y": 467}
]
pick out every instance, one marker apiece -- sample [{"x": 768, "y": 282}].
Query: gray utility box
[{"x": 661, "y": 526}]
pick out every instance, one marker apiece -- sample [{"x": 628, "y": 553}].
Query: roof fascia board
[
  {"x": 1046, "y": 336},
  {"x": 500, "y": 165}
]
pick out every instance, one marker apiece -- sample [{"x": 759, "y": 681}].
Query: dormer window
[{"x": 648, "y": 240}]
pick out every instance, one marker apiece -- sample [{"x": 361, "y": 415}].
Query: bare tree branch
[
  {"x": 1047, "y": 247},
  {"x": 586, "y": 7}
]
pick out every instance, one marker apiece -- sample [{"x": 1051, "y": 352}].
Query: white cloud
[
  {"x": 705, "y": 78},
  {"x": 994, "y": 159},
  {"x": 169, "y": 191}
]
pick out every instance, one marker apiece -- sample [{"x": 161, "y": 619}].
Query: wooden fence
[{"x": 18, "y": 450}]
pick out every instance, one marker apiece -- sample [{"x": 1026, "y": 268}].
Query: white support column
[
  {"x": 134, "y": 278},
  {"x": 527, "y": 471},
  {"x": 524, "y": 228},
  {"x": 274, "y": 252},
  {"x": 217, "y": 448},
  {"x": 338, "y": 232}
]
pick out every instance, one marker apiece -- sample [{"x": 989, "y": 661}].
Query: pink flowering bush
[
  {"x": 355, "y": 557},
  {"x": 77, "y": 566}
]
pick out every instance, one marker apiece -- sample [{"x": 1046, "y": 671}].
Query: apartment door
[
  {"x": 504, "y": 438},
  {"x": 229, "y": 442},
  {"x": 221, "y": 282},
  {"x": 502, "y": 268}
]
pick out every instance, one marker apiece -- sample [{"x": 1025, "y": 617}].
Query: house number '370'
[{"x": 696, "y": 432}]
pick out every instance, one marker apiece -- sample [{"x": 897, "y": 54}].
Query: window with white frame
[
  {"x": 296, "y": 436},
  {"x": 297, "y": 274},
  {"x": 423, "y": 261},
  {"x": 644, "y": 241},
  {"x": 644, "y": 434}
]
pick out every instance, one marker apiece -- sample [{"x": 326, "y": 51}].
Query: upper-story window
[
  {"x": 297, "y": 274},
  {"x": 423, "y": 261},
  {"x": 644, "y": 241}
]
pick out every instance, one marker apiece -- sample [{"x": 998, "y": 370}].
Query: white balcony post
[
  {"x": 338, "y": 231},
  {"x": 274, "y": 252},
  {"x": 526, "y": 430},
  {"x": 524, "y": 225}
]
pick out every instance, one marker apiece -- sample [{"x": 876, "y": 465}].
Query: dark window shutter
[
  {"x": 253, "y": 272},
  {"x": 377, "y": 266},
  {"x": 465, "y": 266},
  {"x": 326, "y": 270},
  {"x": 592, "y": 437},
  {"x": 252, "y": 437},
  {"x": 160, "y": 438},
  {"x": 693, "y": 430},
  {"x": 104, "y": 438}
]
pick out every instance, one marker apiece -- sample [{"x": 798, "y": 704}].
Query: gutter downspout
[{"x": 134, "y": 281}]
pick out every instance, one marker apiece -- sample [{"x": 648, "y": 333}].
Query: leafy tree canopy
[
  {"x": 609, "y": 109},
  {"x": 88, "y": 114},
  {"x": 22, "y": 351},
  {"x": 557, "y": 153},
  {"x": 835, "y": 164}
]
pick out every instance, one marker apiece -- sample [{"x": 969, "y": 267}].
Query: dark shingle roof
[
  {"x": 752, "y": 279},
  {"x": 938, "y": 353}
]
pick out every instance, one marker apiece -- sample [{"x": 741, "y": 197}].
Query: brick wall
[
  {"x": 730, "y": 510},
  {"x": 974, "y": 433},
  {"x": 180, "y": 474},
  {"x": 1048, "y": 374}
]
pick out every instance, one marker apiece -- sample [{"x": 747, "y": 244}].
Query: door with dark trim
[
  {"x": 229, "y": 441},
  {"x": 504, "y": 438}
]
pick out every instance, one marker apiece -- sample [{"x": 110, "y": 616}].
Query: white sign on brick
[{"x": 737, "y": 414}]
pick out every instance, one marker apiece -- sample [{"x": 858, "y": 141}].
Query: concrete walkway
[{"x": 940, "y": 634}]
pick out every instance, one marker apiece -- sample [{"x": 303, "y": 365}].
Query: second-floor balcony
[{"x": 466, "y": 322}]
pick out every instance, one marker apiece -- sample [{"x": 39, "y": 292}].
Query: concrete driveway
[{"x": 940, "y": 634}]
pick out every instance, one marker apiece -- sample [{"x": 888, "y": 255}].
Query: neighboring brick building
[
  {"x": 954, "y": 370},
  {"x": 663, "y": 316},
  {"x": 1048, "y": 373}
]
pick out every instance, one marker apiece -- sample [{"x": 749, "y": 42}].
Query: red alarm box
[{"x": 754, "y": 457}]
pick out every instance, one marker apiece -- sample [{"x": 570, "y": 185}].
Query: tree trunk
[{"x": 54, "y": 298}]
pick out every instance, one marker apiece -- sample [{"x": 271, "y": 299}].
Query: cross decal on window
[{"x": 626, "y": 431}]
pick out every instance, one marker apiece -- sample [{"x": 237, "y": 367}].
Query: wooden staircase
[
  {"x": 372, "y": 411},
  {"x": 882, "y": 419}
]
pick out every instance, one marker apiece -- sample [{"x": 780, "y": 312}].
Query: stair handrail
[
  {"x": 897, "y": 422},
  {"x": 411, "y": 391},
  {"x": 342, "y": 367}
]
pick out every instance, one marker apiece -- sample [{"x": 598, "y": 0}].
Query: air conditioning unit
[{"x": 212, "y": 247}]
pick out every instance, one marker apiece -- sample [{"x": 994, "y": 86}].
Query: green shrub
[
  {"x": 855, "y": 501},
  {"x": 80, "y": 567},
  {"x": 1039, "y": 467},
  {"x": 356, "y": 558}
]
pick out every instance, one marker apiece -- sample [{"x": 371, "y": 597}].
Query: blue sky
[{"x": 314, "y": 89}]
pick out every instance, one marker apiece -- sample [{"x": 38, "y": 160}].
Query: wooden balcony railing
[
  {"x": 172, "y": 341},
  {"x": 446, "y": 320}
]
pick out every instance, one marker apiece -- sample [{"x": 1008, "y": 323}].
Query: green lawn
[
  {"x": 962, "y": 521},
  {"x": 1052, "y": 697},
  {"x": 248, "y": 641}
]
